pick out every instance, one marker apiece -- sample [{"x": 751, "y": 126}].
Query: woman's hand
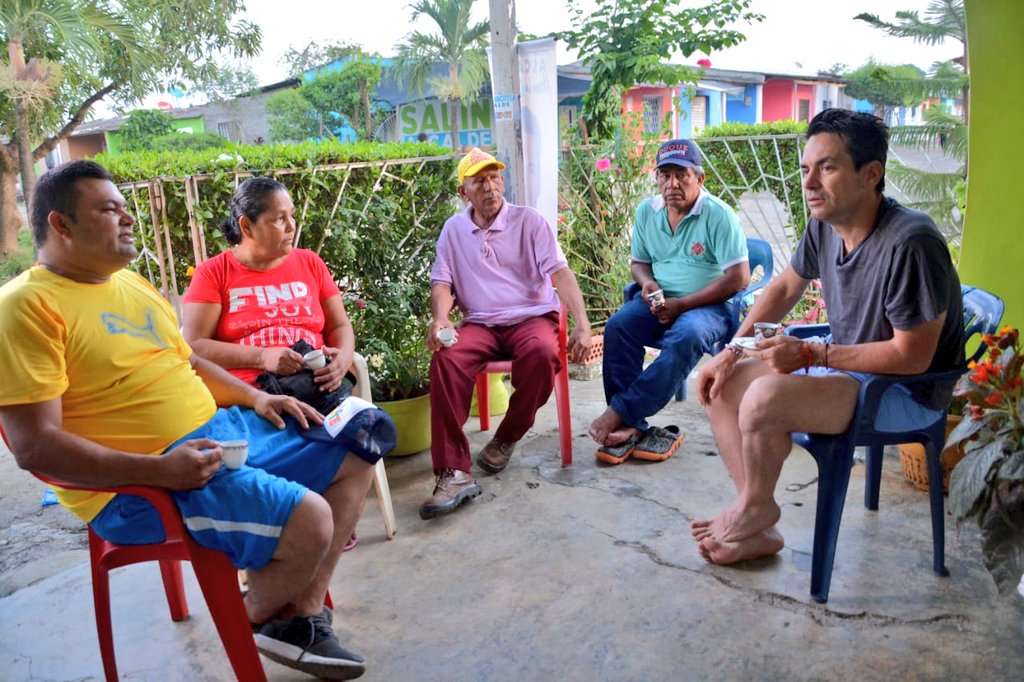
[
  {"x": 283, "y": 361},
  {"x": 273, "y": 408},
  {"x": 329, "y": 378}
]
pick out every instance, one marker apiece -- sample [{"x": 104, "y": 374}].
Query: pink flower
[
  {"x": 361, "y": 304},
  {"x": 603, "y": 165},
  {"x": 706, "y": 63}
]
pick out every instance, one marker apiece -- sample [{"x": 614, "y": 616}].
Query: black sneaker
[{"x": 308, "y": 643}]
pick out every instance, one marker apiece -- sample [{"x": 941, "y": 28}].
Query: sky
[
  {"x": 795, "y": 36},
  {"x": 792, "y": 39}
]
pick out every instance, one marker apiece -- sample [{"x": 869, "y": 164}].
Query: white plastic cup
[
  {"x": 446, "y": 336},
  {"x": 234, "y": 453},
  {"x": 657, "y": 298},
  {"x": 315, "y": 359}
]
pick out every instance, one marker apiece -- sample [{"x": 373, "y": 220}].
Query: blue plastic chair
[
  {"x": 834, "y": 453},
  {"x": 759, "y": 253}
]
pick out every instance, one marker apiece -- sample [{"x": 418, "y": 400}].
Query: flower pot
[
  {"x": 497, "y": 395},
  {"x": 915, "y": 465},
  {"x": 412, "y": 420}
]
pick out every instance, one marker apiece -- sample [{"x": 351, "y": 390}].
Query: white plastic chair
[{"x": 380, "y": 476}]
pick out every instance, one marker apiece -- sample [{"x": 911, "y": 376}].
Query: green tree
[
  {"x": 118, "y": 50},
  {"x": 227, "y": 82},
  {"x": 315, "y": 54},
  {"x": 943, "y": 19},
  {"x": 626, "y": 42},
  {"x": 942, "y": 195},
  {"x": 36, "y": 33},
  {"x": 142, "y": 126},
  {"x": 292, "y": 118},
  {"x": 457, "y": 44},
  {"x": 326, "y": 102}
]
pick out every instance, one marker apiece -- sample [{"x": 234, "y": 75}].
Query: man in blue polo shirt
[{"x": 689, "y": 256}]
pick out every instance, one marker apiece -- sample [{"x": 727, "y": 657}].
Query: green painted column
[{"x": 993, "y": 243}]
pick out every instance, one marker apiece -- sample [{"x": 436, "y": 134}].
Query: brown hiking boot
[
  {"x": 453, "y": 488},
  {"x": 494, "y": 457}
]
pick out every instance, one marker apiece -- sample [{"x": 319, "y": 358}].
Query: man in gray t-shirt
[{"x": 894, "y": 307}]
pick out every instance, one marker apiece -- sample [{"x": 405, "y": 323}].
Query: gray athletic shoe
[{"x": 308, "y": 643}]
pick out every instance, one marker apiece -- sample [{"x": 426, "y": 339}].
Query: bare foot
[
  {"x": 745, "y": 520},
  {"x": 701, "y": 527},
  {"x": 764, "y": 543},
  {"x": 606, "y": 426}
]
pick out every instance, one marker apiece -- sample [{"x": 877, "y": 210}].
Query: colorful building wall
[
  {"x": 804, "y": 93},
  {"x": 742, "y": 108},
  {"x": 778, "y": 99},
  {"x": 993, "y": 249}
]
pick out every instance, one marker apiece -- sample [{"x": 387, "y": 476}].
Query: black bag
[{"x": 301, "y": 385}]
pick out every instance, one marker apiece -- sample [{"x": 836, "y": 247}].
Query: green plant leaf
[
  {"x": 1002, "y": 533},
  {"x": 965, "y": 430},
  {"x": 1012, "y": 468},
  {"x": 969, "y": 483}
]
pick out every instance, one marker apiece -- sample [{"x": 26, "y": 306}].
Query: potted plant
[
  {"x": 988, "y": 484},
  {"x": 389, "y": 324}
]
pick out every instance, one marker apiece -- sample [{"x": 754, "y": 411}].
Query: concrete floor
[{"x": 585, "y": 574}]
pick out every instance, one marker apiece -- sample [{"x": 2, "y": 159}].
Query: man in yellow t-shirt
[{"x": 100, "y": 389}]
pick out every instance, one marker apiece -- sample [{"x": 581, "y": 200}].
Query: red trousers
[{"x": 532, "y": 345}]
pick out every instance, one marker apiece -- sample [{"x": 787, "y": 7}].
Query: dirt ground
[{"x": 32, "y": 537}]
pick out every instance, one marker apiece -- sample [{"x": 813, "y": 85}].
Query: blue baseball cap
[{"x": 683, "y": 153}]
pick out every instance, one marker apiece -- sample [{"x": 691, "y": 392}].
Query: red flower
[
  {"x": 995, "y": 399},
  {"x": 361, "y": 304},
  {"x": 976, "y": 413},
  {"x": 697, "y": 248},
  {"x": 705, "y": 62},
  {"x": 989, "y": 340}
]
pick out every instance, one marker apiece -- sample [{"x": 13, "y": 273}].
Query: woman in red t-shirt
[{"x": 246, "y": 307}]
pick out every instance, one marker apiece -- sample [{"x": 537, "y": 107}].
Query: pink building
[{"x": 798, "y": 97}]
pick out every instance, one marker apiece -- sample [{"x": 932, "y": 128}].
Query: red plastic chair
[
  {"x": 217, "y": 578},
  {"x": 561, "y": 390}
]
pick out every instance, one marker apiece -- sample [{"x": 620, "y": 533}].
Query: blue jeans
[{"x": 635, "y": 393}]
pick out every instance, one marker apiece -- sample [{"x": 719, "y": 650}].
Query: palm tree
[
  {"x": 941, "y": 194},
  {"x": 943, "y": 19},
  {"x": 73, "y": 26},
  {"x": 457, "y": 44}
]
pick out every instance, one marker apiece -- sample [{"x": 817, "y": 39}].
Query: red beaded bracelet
[{"x": 805, "y": 350}]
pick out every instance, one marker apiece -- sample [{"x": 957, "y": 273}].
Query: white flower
[{"x": 376, "y": 361}]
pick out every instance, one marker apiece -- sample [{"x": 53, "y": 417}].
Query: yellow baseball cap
[{"x": 475, "y": 161}]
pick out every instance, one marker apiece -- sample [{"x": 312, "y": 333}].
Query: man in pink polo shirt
[{"x": 497, "y": 261}]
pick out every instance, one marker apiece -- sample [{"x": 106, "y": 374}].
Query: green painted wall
[
  {"x": 192, "y": 125},
  {"x": 993, "y": 245}
]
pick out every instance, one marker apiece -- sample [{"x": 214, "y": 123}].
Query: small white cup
[
  {"x": 235, "y": 452},
  {"x": 657, "y": 298},
  {"x": 315, "y": 359},
  {"x": 446, "y": 336}
]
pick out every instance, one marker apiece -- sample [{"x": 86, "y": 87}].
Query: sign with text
[{"x": 431, "y": 117}]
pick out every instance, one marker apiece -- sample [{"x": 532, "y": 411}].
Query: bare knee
[
  {"x": 309, "y": 530},
  {"x": 758, "y": 409}
]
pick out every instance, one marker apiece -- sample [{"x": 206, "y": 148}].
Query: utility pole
[{"x": 505, "y": 96}]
